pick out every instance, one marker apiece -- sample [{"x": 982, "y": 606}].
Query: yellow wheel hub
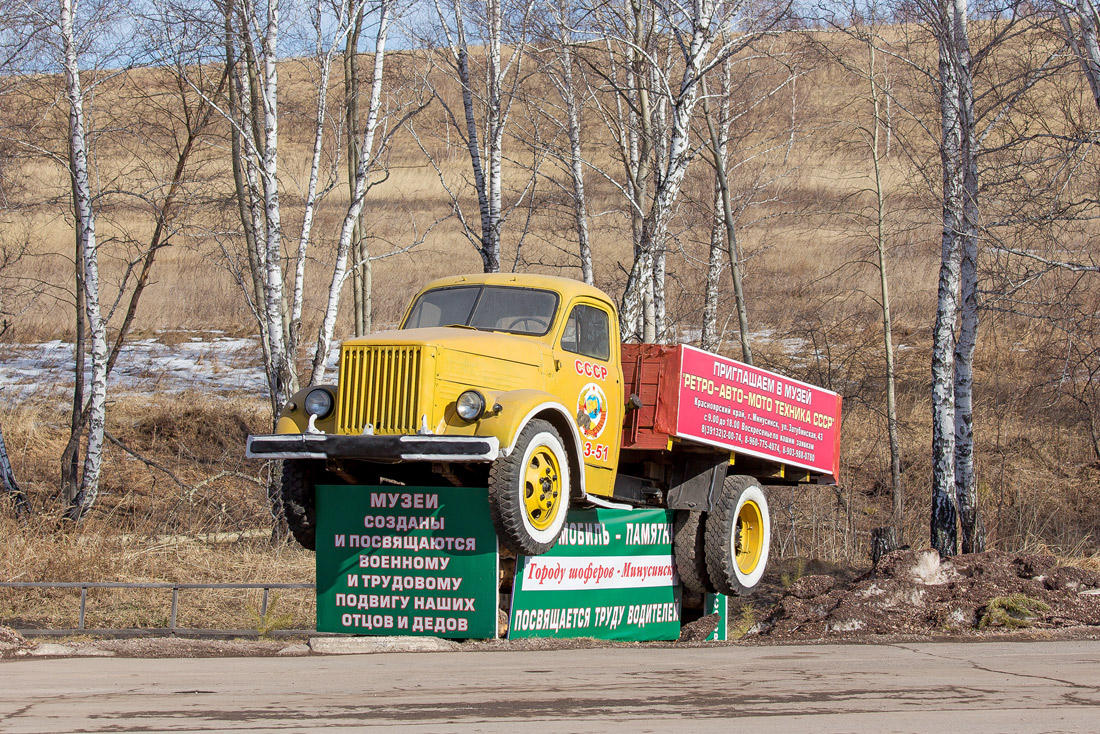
[
  {"x": 748, "y": 537},
  {"x": 542, "y": 488}
]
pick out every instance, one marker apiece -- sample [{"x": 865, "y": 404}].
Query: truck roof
[{"x": 567, "y": 287}]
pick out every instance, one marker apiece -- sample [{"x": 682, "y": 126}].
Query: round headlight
[
  {"x": 319, "y": 402},
  {"x": 470, "y": 405}
]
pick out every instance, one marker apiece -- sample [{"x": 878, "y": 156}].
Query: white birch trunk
[
  {"x": 246, "y": 189},
  {"x": 363, "y": 169},
  {"x": 674, "y": 155},
  {"x": 82, "y": 194},
  {"x": 274, "y": 301},
  {"x": 973, "y": 535},
  {"x": 655, "y": 233},
  {"x": 710, "y": 337},
  {"x": 298, "y": 288},
  {"x": 636, "y": 119},
  {"x": 1084, "y": 41},
  {"x": 660, "y": 326},
  {"x": 944, "y": 519},
  {"x": 973, "y": 539},
  {"x": 576, "y": 161},
  {"x": 655, "y": 308},
  {"x": 665, "y": 135},
  {"x": 494, "y": 123},
  {"x": 897, "y": 514}
]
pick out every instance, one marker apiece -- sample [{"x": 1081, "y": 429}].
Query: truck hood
[{"x": 494, "y": 344}]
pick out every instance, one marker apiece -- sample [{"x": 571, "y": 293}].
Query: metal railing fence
[{"x": 171, "y": 630}]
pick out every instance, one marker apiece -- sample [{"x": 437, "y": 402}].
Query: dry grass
[
  {"x": 43, "y": 550},
  {"x": 146, "y": 527}
]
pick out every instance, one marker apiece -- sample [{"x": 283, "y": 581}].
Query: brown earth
[{"x": 915, "y": 593}]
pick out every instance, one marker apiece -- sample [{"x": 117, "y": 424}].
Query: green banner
[
  {"x": 611, "y": 576},
  {"x": 717, "y": 604},
  {"x": 406, "y": 561}
]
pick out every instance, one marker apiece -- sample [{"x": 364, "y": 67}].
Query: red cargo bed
[{"x": 702, "y": 397}]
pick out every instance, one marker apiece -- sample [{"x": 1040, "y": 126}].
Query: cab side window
[{"x": 587, "y": 332}]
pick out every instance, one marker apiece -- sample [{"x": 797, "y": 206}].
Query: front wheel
[
  {"x": 529, "y": 491},
  {"x": 738, "y": 535}
]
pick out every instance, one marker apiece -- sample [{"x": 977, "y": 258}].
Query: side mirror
[{"x": 634, "y": 403}]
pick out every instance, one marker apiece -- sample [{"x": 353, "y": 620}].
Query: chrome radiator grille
[{"x": 380, "y": 386}]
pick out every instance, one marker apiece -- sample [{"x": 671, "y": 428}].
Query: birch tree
[
  {"x": 966, "y": 128},
  {"x": 251, "y": 48},
  {"x": 1081, "y": 23},
  {"x": 371, "y": 144},
  {"x": 963, "y": 128},
  {"x": 489, "y": 80},
  {"x": 750, "y": 126},
  {"x": 873, "y": 137},
  {"x": 564, "y": 40},
  {"x": 656, "y": 90},
  {"x": 952, "y": 358},
  {"x": 621, "y": 90},
  {"x": 276, "y": 294},
  {"x": 82, "y": 42},
  {"x": 85, "y": 215},
  {"x": 954, "y": 334},
  {"x": 20, "y": 35}
]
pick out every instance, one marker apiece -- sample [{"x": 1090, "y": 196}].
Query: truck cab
[{"x": 484, "y": 372}]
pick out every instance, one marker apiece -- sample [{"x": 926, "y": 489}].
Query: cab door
[{"x": 589, "y": 382}]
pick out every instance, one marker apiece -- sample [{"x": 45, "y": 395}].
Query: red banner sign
[{"x": 729, "y": 404}]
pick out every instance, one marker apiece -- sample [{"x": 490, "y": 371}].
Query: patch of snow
[
  {"x": 796, "y": 347},
  {"x": 851, "y": 625},
  {"x": 930, "y": 570},
  {"x": 212, "y": 363},
  {"x": 957, "y": 618},
  {"x": 910, "y": 596},
  {"x": 894, "y": 597}
]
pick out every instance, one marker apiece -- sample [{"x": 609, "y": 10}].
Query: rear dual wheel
[
  {"x": 689, "y": 550},
  {"x": 725, "y": 550}
]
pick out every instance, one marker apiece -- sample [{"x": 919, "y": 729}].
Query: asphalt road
[{"x": 942, "y": 687}]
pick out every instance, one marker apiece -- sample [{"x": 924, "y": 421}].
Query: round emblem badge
[{"x": 592, "y": 410}]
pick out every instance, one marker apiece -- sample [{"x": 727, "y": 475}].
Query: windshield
[{"x": 488, "y": 307}]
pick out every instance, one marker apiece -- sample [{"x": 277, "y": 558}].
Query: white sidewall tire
[
  {"x": 550, "y": 534},
  {"x": 753, "y": 494}
]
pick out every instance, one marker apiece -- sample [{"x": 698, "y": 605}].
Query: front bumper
[{"x": 375, "y": 448}]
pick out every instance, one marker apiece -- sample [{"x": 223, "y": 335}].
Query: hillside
[{"x": 803, "y": 183}]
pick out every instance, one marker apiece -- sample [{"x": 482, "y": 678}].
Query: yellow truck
[{"x": 519, "y": 383}]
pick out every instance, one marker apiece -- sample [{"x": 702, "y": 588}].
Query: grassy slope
[{"x": 809, "y": 280}]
